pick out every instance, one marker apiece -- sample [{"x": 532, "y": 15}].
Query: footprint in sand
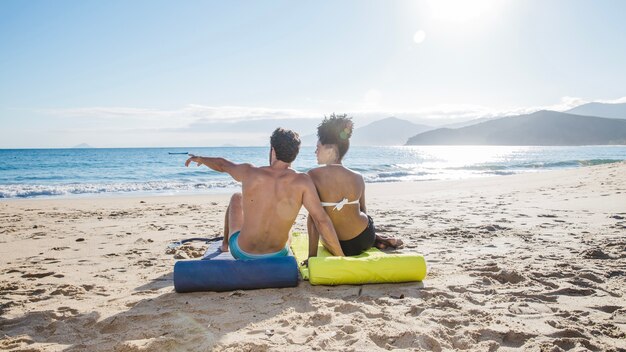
[
  {"x": 571, "y": 291},
  {"x": 415, "y": 311},
  {"x": 6, "y": 286},
  {"x": 528, "y": 308},
  {"x": 35, "y": 295},
  {"x": 595, "y": 253},
  {"x": 145, "y": 263},
  {"x": 17, "y": 342},
  {"x": 506, "y": 338},
  {"x": 619, "y": 316},
  {"x": 38, "y": 275},
  {"x": 38, "y": 235},
  {"x": 505, "y": 276},
  {"x": 405, "y": 340},
  {"x": 319, "y": 319},
  {"x": 67, "y": 311},
  {"x": 607, "y": 309},
  {"x": 68, "y": 290},
  {"x": 347, "y": 308},
  {"x": 569, "y": 344},
  {"x": 50, "y": 261}
]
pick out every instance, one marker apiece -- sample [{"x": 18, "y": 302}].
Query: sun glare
[
  {"x": 459, "y": 10},
  {"x": 419, "y": 36}
]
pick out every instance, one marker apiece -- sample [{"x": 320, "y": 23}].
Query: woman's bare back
[{"x": 334, "y": 183}]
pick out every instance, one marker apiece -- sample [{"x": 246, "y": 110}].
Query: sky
[{"x": 199, "y": 73}]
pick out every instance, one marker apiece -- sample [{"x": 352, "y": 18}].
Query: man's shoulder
[
  {"x": 269, "y": 171},
  {"x": 301, "y": 177},
  {"x": 247, "y": 170},
  {"x": 247, "y": 167},
  {"x": 290, "y": 174}
]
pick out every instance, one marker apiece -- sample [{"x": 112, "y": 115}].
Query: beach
[{"x": 534, "y": 261}]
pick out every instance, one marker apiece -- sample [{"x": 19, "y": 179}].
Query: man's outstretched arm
[
  {"x": 324, "y": 226},
  {"x": 237, "y": 171}
]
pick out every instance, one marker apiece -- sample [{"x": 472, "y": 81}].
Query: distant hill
[
  {"x": 539, "y": 128},
  {"x": 615, "y": 111},
  {"x": 388, "y": 131},
  {"x": 469, "y": 122},
  {"x": 82, "y": 146}
]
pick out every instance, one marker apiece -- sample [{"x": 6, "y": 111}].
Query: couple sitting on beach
[{"x": 258, "y": 220}]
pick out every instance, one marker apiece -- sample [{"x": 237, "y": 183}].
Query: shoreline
[
  {"x": 229, "y": 190},
  {"x": 519, "y": 262}
]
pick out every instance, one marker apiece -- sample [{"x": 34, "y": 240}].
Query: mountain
[
  {"x": 388, "y": 131},
  {"x": 82, "y": 146},
  {"x": 615, "y": 111},
  {"x": 468, "y": 123},
  {"x": 539, "y": 128}
]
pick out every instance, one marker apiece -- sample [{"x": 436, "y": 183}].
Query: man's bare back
[
  {"x": 272, "y": 199},
  {"x": 259, "y": 219}
]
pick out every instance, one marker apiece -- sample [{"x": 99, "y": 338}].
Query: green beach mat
[{"x": 369, "y": 267}]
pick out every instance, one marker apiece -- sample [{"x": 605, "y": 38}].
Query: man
[{"x": 258, "y": 219}]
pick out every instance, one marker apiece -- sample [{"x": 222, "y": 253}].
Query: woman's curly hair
[{"x": 337, "y": 130}]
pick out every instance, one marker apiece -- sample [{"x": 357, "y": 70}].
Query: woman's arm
[
  {"x": 320, "y": 219},
  {"x": 314, "y": 236},
  {"x": 362, "y": 199}
]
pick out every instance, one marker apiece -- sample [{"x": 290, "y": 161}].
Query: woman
[{"x": 342, "y": 192}]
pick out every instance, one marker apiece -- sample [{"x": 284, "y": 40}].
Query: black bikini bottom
[{"x": 364, "y": 241}]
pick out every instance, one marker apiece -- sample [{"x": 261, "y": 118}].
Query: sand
[{"x": 524, "y": 262}]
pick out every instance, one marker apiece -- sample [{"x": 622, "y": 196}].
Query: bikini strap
[{"x": 339, "y": 205}]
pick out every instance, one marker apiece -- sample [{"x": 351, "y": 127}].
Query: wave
[
  {"x": 392, "y": 174},
  {"x": 30, "y": 191},
  {"x": 42, "y": 173},
  {"x": 396, "y": 176},
  {"x": 404, "y": 173},
  {"x": 537, "y": 165},
  {"x": 598, "y": 162},
  {"x": 502, "y": 173}
]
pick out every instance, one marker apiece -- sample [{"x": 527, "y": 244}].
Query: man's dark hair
[
  {"x": 337, "y": 130},
  {"x": 286, "y": 144}
]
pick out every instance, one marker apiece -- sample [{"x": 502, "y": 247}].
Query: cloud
[
  {"x": 189, "y": 113},
  {"x": 107, "y": 112},
  {"x": 201, "y": 125},
  {"x": 565, "y": 104},
  {"x": 435, "y": 115},
  {"x": 239, "y": 113},
  {"x": 201, "y": 118},
  {"x": 621, "y": 100},
  {"x": 372, "y": 99},
  {"x": 453, "y": 113},
  {"x": 468, "y": 111},
  {"x": 568, "y": 103}
]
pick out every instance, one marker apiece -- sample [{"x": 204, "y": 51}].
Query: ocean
[{"x": 29, "y": 173}]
